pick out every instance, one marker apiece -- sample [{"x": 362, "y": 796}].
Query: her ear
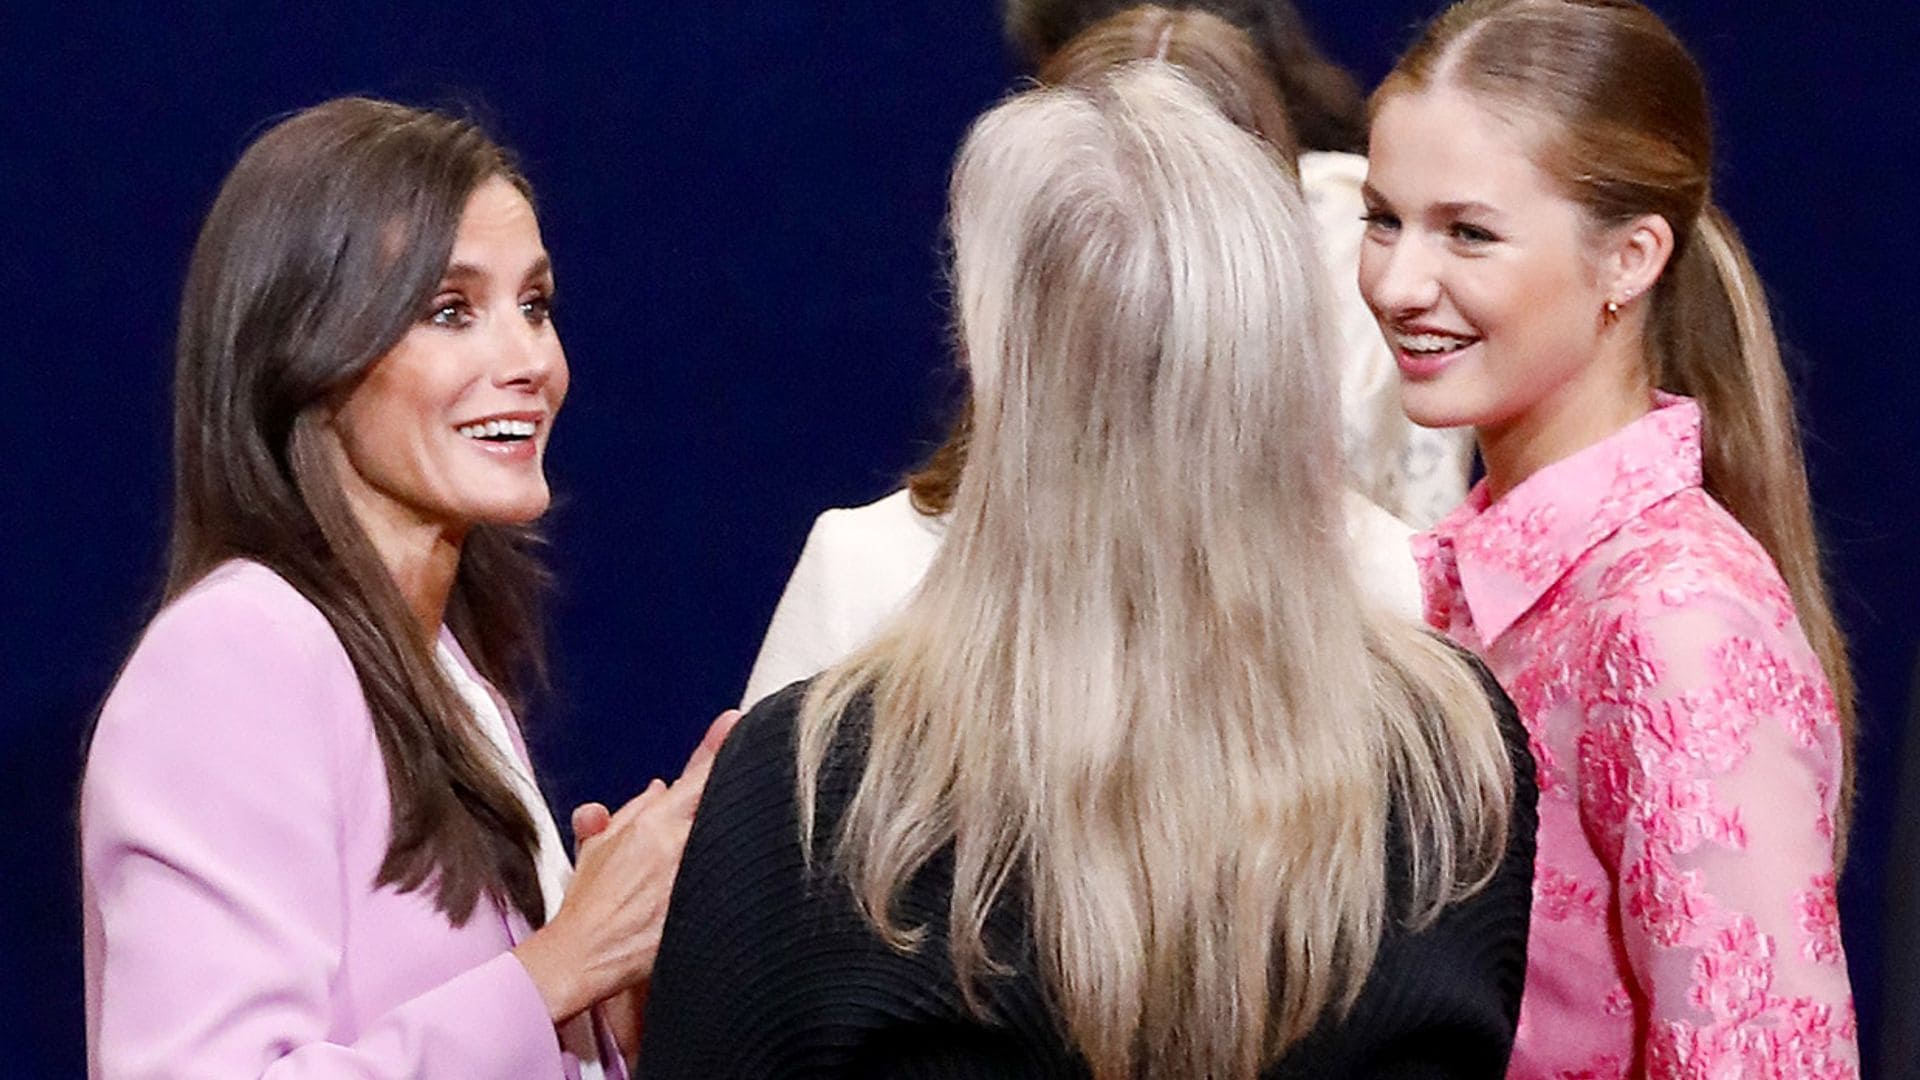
[{"x": 1639, "y": 253}]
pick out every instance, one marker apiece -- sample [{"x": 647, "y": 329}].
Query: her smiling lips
[
  {"x": 510, "y": 437},
  {"x": 1423, "y": 354},
  {"x": 499, "y": 429}
]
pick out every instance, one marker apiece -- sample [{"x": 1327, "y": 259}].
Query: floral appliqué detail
[
  {"x": 1670, "y": 905},
  {"x": 1820, "y": 920},
  {"x": 1518, "y": 546},
  {"x": 1684, "y": 916},
  {"x": 1560, "y": 897}
]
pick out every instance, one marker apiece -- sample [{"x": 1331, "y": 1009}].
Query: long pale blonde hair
[
  {"x": 1139, "y": 686},
  {"x": 1222, "y": 60}
]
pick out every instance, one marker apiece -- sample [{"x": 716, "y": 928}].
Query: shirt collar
[{"x": 1499, "y": 559}]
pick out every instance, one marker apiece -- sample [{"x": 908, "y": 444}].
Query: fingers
[
  {"x": 701, "y": 760},
  {"x": 693, "y": 778},
  {"x": 655, "y": 791},
  {"x": 590, "y": 820},
  {"x": 684, "y": 794}
]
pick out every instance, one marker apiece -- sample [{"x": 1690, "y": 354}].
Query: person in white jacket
[{"x": 860, "y": 564}]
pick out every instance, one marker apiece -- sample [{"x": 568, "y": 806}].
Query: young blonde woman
[
  {"x": 1639, "y": 566},
  {"x": 859, "y": 564},
  {"x": 1138, "y": 784}
]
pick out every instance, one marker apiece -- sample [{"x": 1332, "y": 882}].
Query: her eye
[
  {"x": 1471, "y": 234},
  {"x": 451, "y": 311},
  {"x": 1381, "y": 220},
  {"x": 537, "y": 309}
]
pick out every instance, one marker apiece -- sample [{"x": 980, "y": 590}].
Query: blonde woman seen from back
[
  {"x": 1266, "y": 50},
  {"x": 1138, "y": 784},
  {"x": 859, "y": 564}
]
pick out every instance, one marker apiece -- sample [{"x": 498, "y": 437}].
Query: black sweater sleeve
[
  {"x": 719, "y": 995},
  {"x": 766, "y": 969},
  {"x": 1442, "y": 1001}
]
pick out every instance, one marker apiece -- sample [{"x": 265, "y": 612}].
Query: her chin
[
  {"x": 1429, "y": 407},
  {"x": 522, "y": 509}
]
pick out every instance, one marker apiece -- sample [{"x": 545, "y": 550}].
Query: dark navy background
[{"x": 743, "y": 201}]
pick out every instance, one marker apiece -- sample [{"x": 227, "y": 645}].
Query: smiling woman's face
[
  {"x": 1478, "y": 268},
  {"x": 449, "y": 429}
]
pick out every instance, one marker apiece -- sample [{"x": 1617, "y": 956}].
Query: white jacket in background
[{"x": 860, "y": 565}]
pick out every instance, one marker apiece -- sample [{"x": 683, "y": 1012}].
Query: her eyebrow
[
  {"x": 459, "y": 273},
  {"x": 1465, "y": 208},
  {"x": 463, "y": 272},
  {"x": 1453, "y": 208}
]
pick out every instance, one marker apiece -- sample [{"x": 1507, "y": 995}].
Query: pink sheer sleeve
[{"x": 1709, "y": 760}]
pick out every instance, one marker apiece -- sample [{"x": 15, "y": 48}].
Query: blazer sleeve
[
  {"x": 809, "y": 631},
  {"x": 211, "y": 822}
]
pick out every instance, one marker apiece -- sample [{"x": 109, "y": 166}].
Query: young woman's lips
[
  {"x": 1425, "y": 355},
  {"x": 1424, "y": 365}
]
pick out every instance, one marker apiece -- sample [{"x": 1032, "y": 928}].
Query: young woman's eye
[
  {"x": 1381, "y": 221},
  {"x": 537, "y": 309},
  {"x": 1471, "y": 234},
  {"x": 450, "y": 311}
]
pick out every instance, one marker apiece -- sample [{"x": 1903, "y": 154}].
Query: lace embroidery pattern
[{"x": 1688, "y": 757}]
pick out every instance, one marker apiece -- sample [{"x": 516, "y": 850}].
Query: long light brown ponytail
[
  {"x": 1713, "y": 340},
  {"x": 1625, "y": 128}
]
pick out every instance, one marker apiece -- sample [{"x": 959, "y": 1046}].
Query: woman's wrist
[{"x": 557, "y": 973}]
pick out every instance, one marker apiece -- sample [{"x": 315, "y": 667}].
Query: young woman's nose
[{"x": 1399, "y": 278}]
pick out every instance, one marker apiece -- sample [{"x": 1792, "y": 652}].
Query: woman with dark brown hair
[
  {"x": 312, "y": 842},
  {"x": 1639, "y": 567}
]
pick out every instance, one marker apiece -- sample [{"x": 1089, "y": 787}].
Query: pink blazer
[{"x": 233, "y": 818}]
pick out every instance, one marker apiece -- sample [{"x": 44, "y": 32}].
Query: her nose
[
  {"x": 527, "y": 356},
  {"x": 1399, "y": 278}
]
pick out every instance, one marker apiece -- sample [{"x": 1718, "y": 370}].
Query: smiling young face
[
  {"x": 449, "y": 428},
  {"x": 1489, "y": 282}
]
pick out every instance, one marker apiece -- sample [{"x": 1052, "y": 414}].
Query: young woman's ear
[{"x": 1638, "y": 254}]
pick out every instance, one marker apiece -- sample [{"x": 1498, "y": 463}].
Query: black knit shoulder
[{"x": 767, "y": 969}]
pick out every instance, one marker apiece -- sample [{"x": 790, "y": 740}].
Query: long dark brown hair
[
  {"x": 1326, "y": 109},
  {"x": 1627, "y": 133},
  {"x": 323, "y": 248}
]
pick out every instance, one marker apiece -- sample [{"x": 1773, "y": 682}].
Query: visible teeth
[
  {"x": 493, "y": 429},
  {"x": 1432, "y": 343}
]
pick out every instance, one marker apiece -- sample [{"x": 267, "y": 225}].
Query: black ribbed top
[{"x": 765, "y": 971}]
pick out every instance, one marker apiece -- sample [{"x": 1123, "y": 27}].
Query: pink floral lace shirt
[{"x": 1684, "y": 922}]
